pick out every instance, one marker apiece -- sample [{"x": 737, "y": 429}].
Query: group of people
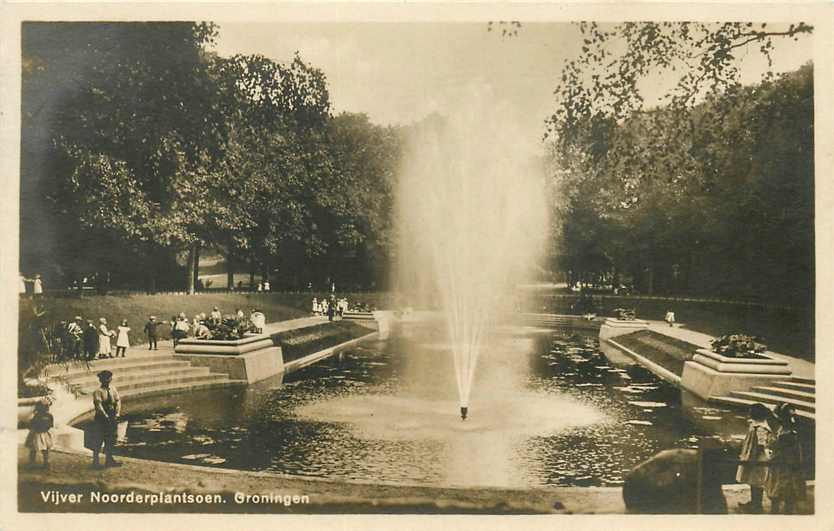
[
  {"x": 331, "y": 307},
  {"x": 81, "y": 339},
  {"x": 37, "y": 285},
  {"x": 200, "y": 326},
  {"x": 771, "y": 460}
]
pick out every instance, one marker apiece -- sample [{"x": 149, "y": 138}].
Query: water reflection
[{"x": 545, "y": 410}]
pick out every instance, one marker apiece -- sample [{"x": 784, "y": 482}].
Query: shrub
[{"x": 738, "y": 346}]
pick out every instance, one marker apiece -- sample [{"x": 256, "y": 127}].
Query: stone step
[
  {"x": 166, "y": 381},
  {"x": 774, "y": 400},
  {"x": 799, "y": 386},
  {"x": 787, "y": 393},
  {"x": 809, "y": 381},
  {"x": 120, "y": 364},
  {"x": 744, "y": 403},
  {"x": 120, "y": 378}
]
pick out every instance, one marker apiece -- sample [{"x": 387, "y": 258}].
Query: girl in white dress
[
  {"x": 122, "y": 340},
  {"x": 104, "y": 334}
]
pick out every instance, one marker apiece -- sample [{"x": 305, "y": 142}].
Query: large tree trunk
[
  {"x": 230, "y": 270},
  {"x": 251, "y": 273},
  {"x": 196, "y": 280},
  {"x": 191, "y": 268}
]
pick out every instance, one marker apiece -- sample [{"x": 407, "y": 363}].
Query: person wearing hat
[
  {"x": 150, "y": 331},
  {"x": 216, "y": 316},
  {"x": 108, "y": 407},
  {"x": 785, "y": 483}
]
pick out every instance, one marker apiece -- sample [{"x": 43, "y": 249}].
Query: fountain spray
[{"x": 472, "y": 220}]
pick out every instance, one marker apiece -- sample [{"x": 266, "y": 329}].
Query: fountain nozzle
[{"x": 463, "y": 411}]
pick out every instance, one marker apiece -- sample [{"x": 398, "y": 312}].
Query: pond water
[{"x": 546, "y": 409}]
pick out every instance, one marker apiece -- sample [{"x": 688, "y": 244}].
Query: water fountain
[{"x": 471, "y": 223}]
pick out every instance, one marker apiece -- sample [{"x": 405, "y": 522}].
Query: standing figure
[
  {"x": 37, "y": 286},
  {"x": 180, "y": 329},
  {"x": 754, "y": 457},
  {"x": 258, "y": 320},
  {"x": 266, "y": 285},
  {"x": 108, "y": 407},
  {"x": 315, "y": 306},
  {"x": 150, "y": 331},
  {"x": 75, "y": 336},
  {"x": 90, "y": 341},
  {"x": 215, "y": 315},
  {"x": 331, "y": 308},
  {"x": 670, "y": 317},
  {"x": 785, "y": 484},
  {"x": 122, "y": 340},
  {"x": 104, "y": 334},
  {"x": 40, "y": 434}
]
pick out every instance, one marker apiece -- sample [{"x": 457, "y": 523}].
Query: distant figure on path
[
  {"x": 754, "y": 457},
  {"x": 670, "y": 317},
  {"x": 266, "y": 285},
  {"x": 40, "y": 434},
  {"x": 105, "y": 350},
  {"x": 151, "y": 332},
  {"x": 108, "y": 407},
  {"x": 785, "y": 484},
  {"x": 122, "y": 340},
  {"x": 316, "y": 309}
]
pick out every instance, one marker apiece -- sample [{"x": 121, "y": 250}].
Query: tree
[{"x": 132, "y": 137}]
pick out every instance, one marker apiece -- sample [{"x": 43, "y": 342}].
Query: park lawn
[{"x": 137, "y": 308}]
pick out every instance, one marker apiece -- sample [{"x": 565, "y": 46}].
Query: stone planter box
[
  {"x": 253, "y": 358},
  {"x": 710, "y": 375},
  {"x": 616, "y": 327}
]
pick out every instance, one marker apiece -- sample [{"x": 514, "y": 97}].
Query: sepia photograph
[{"x": 416, "y": 266}]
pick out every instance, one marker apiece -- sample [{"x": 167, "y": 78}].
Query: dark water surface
[{"x": 546, "y": 409}]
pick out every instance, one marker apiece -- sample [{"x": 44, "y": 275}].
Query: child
[
  {"x": 122, "y": 341},
  {"x": 754, "y": 457},
  {"x": 785, "y": 483},
  {"x": 150, "y": 331},
  {"x": 40, "y": 434}
]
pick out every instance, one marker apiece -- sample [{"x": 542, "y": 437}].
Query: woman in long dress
[{"x": 104, "y": 348}]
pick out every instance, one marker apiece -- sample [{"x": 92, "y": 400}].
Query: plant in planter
[
  {"x": 738, "y": 346},
  {"x": 625, "y": 314},
  {"x": 230, "y": 328}
]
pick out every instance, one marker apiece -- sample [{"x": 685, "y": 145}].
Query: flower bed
[{"x": 739, "y": 346}]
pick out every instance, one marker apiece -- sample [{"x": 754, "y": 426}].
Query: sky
[{"x": 398, "y": 73}]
